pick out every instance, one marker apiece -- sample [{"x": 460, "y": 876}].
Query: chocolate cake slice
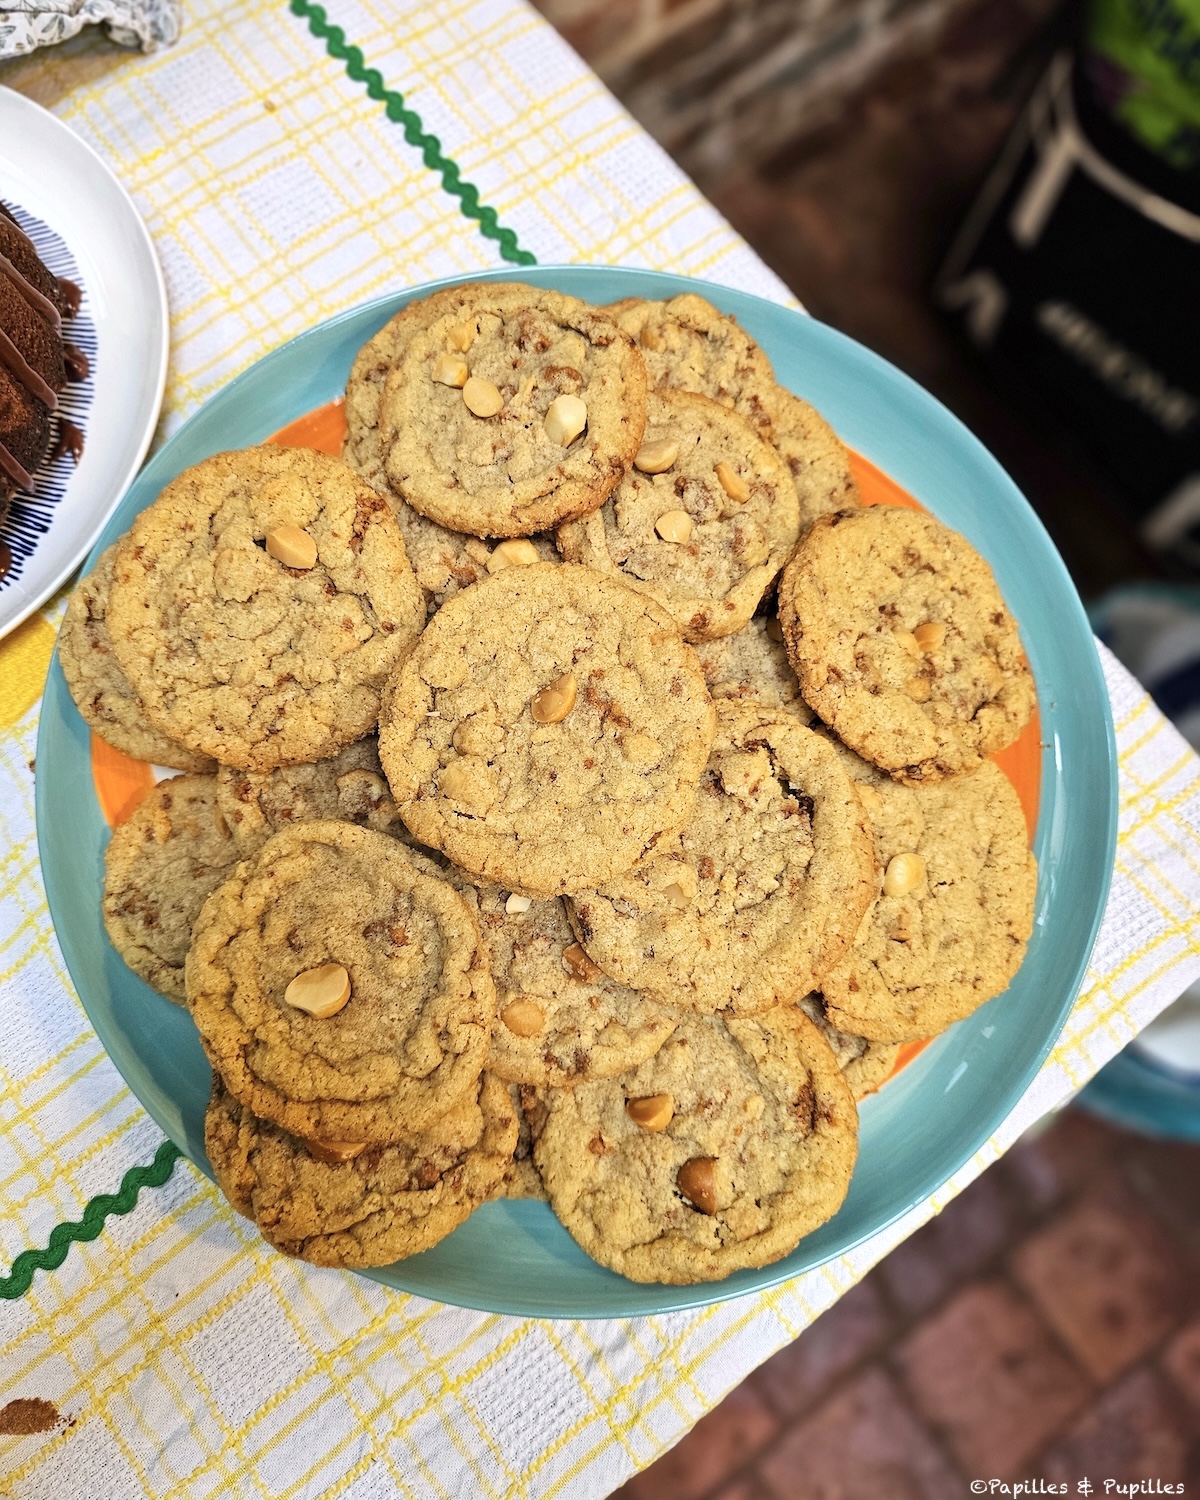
[{"x": 35, "y": 361}]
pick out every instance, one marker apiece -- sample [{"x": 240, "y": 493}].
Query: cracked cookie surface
[
  {"x": 506, "y": 474},
  {"x": 102, "y": 692},
  {"x": 411, "y": 1041},
  {"x": 689, "y": 346},
  {"x": 160, "y": 866},
  {"x": 753, "y": 664},
  {"x": 762, "y": 1102},
  {"x": 559, "y": 1020},
  {"x": 543, "y": 807},
  {"x": 237, "y": 655},
  {"x": 902, "y": 642},
  {"x": 712, "y": 574},
  {"x": 927, "y": 956},
  {"x": 385, "y": 1203},
  {"x": 349, "y": 787},
  {"x": 763, "y": 891},
  {"x": 865, "y": 1065}
]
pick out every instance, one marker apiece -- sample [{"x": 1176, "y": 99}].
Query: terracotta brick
[
  {"x": 719, "y": 1444},
  {"x": 863, "y": 1444},
  {"x": 1133, "y": 1432},
  {"x": 1167, "y": 1175},
  {"x": 1105, "y": 1280},
  {"x": 1181, "y": 1360},
  {"x": 800, "y": 1375},
  {"x": 942, "y": 1254},
  {"x": 985, "y": 1373},
  {"x": 1051, "y": 1163}
]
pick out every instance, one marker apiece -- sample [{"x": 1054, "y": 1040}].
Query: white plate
[{"x": 48, "y": 171}]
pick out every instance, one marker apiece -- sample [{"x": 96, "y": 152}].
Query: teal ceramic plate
[{"x": 514, "y": 1257}]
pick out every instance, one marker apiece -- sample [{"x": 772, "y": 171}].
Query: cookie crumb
[{"x": 27, "y": 1415}]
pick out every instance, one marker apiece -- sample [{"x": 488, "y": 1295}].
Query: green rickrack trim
[
  {"x": 414, "y": 132},
  {"x": 103, "y": 1206}
]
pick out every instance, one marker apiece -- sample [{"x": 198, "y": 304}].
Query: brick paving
[{"x": 1046, "y": 1325}]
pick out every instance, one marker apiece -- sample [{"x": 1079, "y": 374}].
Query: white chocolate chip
[
  {"x": 523, "y": 1017},
  {"x": 675, "y": 526},
  {"x": 904, "y": 874},
  {"x": 554, "y": 702},
  {"x": 450, "y": 369},
  {"x": 482, "y": 398},
  {"x": 732, "y": 483},
  {"x": 656, "y": 456},
  {"x": 292, "y": 546},
  {"x": 461, "y": 336},
  {"x": 320, "y": 992},
  {"x": 565, "y": 420},
  {"x": 517, "y": 906},
  {"x": 519, "y": 552},
  {"x": 931, "y": 636}
]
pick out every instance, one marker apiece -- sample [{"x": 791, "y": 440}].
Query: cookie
[
  {"x": 519, "y": 415},
  {"x": 522, "y": 1178},
  {"x": 349, "y": 787},
  {"x": 689, "y": 346},
  {"x": 382, "y": 1203},
  {"x": 443, "y": 560},
  {"x": 764, "y": 890},
  {"x": 447, "y": 561},
  {"x": 954, "y": 910},
  {"x": 160, "y": 866},
  {"x": 753, "y": 664},
  {"x": 704, "y": 534},
  {"x": 101, "y": 690},
  {"x": 816, "y": 458},
  {"x": 560, "y": 1021},
  {"x": 366, "y": 437},
  {"x": 241, "y": 644},
  {"x": 903, "y": 644},
  {"x": 749, "y": 1142},
  {"x": 548, "y": 730},
  {"x": 866, "y": 1065},
  {"x": 410, "y": 1042}
]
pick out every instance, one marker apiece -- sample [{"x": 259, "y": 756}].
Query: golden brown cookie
[
  {"x": 722, "y": 1151},
  {"x": 689, "y": 346},
  {"x": 954, "y": 909},
  {"x": 867, "y": 1066},
  {"x": 380, "y": 1203},
  {"x": 763, "y": 891},
  {"x": 816, "y": 458},
  {"x": 259, "y": 604},
  {"x": 349, "y": 787},
  {"x": 408, "y": 1043},
  {"x": 549, "y": 726},
  {"x": 160, "y": 866},
  {"x": 560, "y": 1021},
  {"x": 514, "y": 417},
  {"x": 101, "y": 691},
  {"x": 902, "y": 642},
  {"x": 443, "y": 560},
  {"x": 703, "y": 522},
  {"x": 753, "y": 664},
  {"x": 522, "y": 1178}
]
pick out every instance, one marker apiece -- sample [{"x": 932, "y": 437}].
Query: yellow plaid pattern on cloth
[{"x": 192, "y": 1360}]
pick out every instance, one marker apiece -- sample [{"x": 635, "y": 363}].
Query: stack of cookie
[{"x": 604, "y": 914}]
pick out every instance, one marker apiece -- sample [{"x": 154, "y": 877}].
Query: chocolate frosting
[
  {"x": 12, "y": 358},
  {"x": 41, "y": 305},
  {"x": 70, "y": 440},
  {"x": 75, "y": 362},
  {"x": 19, "y": 476}
]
